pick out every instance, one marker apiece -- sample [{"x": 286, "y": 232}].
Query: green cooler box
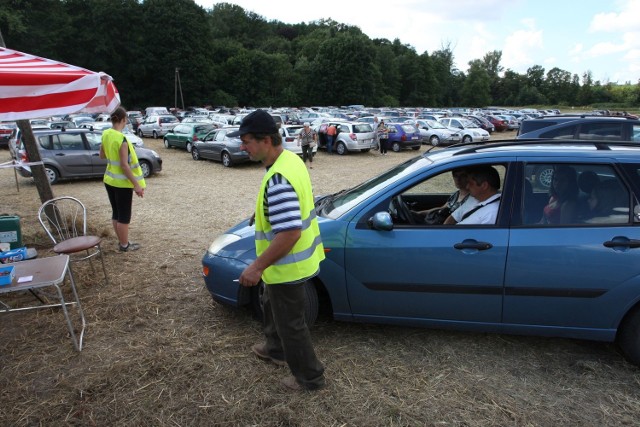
[{"x": 10, "y": 231}]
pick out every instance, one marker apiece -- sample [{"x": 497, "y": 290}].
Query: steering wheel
[{"x": 402, "y": 210}]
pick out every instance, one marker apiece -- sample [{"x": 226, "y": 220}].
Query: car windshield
[
  {"x": 435, "y": 125},
  {"x": 338, "y": 204},
  {"x": 468, "y": 123}
]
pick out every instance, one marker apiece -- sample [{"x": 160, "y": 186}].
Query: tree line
[{"x": 229, "y": 56}]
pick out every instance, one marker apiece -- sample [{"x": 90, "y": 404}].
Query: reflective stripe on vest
[{"x": 304, "y": 258}]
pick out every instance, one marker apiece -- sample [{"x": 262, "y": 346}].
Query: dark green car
[{"x": 184, "y": 134}]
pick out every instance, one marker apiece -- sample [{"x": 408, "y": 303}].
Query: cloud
[
  {"x": 519, "y": 46},
  {"x": 612, "y": 22}
]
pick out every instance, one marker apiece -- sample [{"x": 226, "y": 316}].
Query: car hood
[{"x": 242, "y": 248}]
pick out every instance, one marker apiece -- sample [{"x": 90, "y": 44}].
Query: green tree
[{"x": 477, "y": 86}]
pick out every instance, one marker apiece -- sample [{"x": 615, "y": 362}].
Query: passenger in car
[
  {"x": 608, "y": 203},
  {"x": 483, "y": 185},
  {"x": 439, "y": 214},
  {"x": 562, "y": 207}
]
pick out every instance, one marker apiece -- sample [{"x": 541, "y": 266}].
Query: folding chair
[{"x": 65, "y": 221}]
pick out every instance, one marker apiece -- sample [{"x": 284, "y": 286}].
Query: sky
[{"x": 576, "y": 36}]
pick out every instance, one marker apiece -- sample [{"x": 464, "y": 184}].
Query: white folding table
[{"x": 46, "y": 272}]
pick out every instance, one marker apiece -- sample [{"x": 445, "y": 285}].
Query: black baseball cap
[{"x": 257, "y": 122}]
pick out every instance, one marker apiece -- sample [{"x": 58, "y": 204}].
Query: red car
[{"x": 500, "y": 124}]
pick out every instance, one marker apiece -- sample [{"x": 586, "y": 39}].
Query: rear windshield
[
  {"x": 168, "y": 119},
  {"x": 362, "y": 128}
]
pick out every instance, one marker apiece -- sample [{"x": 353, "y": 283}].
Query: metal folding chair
[{"x": 65, "y": 221}]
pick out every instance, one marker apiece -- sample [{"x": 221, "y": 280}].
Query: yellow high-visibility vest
[
  {"x": 304, "y": 258},
  {"x": 112, "y": 140}
]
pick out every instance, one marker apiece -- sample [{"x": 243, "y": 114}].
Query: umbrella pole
[{"x": 39, "y": 175}]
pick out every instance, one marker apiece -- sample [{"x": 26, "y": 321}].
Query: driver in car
[{"x": 482, "y": 207}]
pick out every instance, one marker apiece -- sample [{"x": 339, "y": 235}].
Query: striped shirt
[{"x": 281, "y": 204}]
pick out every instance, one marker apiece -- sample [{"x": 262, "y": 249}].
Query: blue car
[
  {"x": 532, "y": 272},
  {"x": 403, "y": 135}
]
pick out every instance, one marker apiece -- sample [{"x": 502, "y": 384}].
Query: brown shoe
[
  {"x": 261, "y": 351},
  {"x": 291, "y": 383}
]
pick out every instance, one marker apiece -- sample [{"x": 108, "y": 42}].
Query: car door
[
  {"x": 427, "y": 274},
  {"x": 578, "y": 273},
  {"x": 70, "y": 155},
  {"x": 206, "y": 145},
  {"x": 98, "y": 165}
]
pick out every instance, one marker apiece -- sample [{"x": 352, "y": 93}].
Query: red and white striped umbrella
[{"x": 33, "y": 87}]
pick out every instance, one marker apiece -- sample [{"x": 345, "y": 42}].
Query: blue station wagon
[{"x": 576, "y": 275}]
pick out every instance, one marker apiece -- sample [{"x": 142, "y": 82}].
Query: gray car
[
  {"x": 216, "y": 145},
  {"x": 435, "y": 133},
  {"x": 157, "y": 125},
  {"x": 75, "y": 153}
]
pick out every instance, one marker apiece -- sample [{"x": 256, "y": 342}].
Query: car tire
[
  {"x": 395, "y": 147},
  {"x": 226, "y": 160},
  {"x": 140, "y": 134},
  {"x": 341, "y": 149},
  {"x": 155, "y": 135},
  {"x": 52, "y": 174},
  {"x": 467, "y": 139},
  {"x": 189, "y": 146},
  {"x": 166, "y": 143},
  {"x": 146, "y": 168},
  {"x": 434, "y": 140},
  {"x": 628, "y": 339},
  {"x": 195, "y": 154},
  {"x": 311, "y": 302}
]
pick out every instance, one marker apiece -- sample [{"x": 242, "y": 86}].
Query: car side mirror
[{"x": 381, "y": 221}]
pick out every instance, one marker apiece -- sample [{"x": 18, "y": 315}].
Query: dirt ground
[{"x": 158, "y": 351}]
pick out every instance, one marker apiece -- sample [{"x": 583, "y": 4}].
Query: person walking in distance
[
  {"x": 307, "y": 139},
  {"x": 288, "y": 248},
  {"x": 122, "y": 177},
  {"x": 383, "y": 136}
]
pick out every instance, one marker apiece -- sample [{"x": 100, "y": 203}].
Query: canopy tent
[{"x": 33, "y": 87}]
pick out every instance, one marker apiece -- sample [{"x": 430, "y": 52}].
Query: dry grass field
[{"x": 159, "y": 352}]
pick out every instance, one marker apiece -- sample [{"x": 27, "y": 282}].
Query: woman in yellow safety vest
[{"x": 122, "y": 177}]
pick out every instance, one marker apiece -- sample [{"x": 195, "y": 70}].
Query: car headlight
[
  {"x": 154, "y": 154},
  {"x": 221, "y": 242}
]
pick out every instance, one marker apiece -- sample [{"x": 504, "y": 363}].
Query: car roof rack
[{"x": 599, "y": 145}]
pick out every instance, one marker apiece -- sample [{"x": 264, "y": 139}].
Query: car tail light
[
  {"x": 353, "y": 136},
  {"x": 195, "y": 137},
  {"x": 23, "y": 157},
  {"x": 403, "y": 137},
  {"x": 290, "y": 138}
]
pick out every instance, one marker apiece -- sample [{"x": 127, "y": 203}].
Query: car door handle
[
  {"x": 473, "y": 244},
  {"x": 96, "y": 154},
  {"x": 59, "y": 154},
  {"x": 628, "y": 243}
]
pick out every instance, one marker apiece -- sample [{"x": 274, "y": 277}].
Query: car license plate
[
  {"x": 366, "y": 141},
  {"x": 414, "y": 137}
]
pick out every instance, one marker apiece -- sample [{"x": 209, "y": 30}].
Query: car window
[
  {"x": 362, "y": 128},
  {"x": 558, "y": 194},
  {"x": 65, "y": 141},
  {"x": 440, "y": 191},
  {"x": 635, "y": 133},
  {"x": 562, "y": 132},
  {"x": 601, "y": 131},
  {"x": 94, "y": 140},
  {"x": 45, "y": 142}
]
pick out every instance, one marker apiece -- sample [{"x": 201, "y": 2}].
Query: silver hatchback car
[
  {"x": 157, "y": 125},
  {"x": 352, "y": 136}
]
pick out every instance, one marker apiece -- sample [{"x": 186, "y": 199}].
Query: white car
[
  {"x": 128, "y": 133},
  {"x": 290, "y": 139},
  {"x": 469, "y": 131}
]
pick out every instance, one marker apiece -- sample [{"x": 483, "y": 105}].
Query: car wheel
[
  {"x": 146, "y": 168},
  {"x": 341, "y": 149},
  {"x": 166, "y": 143},
  {"x": 140, "y": 134},
  {"x": 311, "y": 304},
  {"x": 467, "y": 139},
  {"x": 189, "y": 146},
  {"x": 155, "y": 135},
  {"x": 226, "y": 160},
  {"x": 52, "y": 174},
  {"x": 396, "y": 147},
  {"x": 195, "y": 154},
  {"x": 629, "y": 337},
  {"x": 434, "y": 140},
  {"x": 544, "y": 176}
]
